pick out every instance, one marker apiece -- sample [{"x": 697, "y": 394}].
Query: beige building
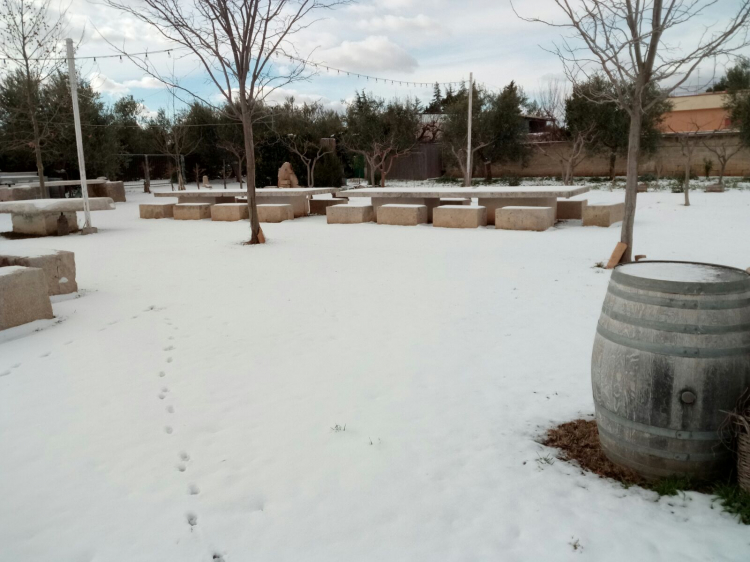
[{"x": 699, "y": 112}]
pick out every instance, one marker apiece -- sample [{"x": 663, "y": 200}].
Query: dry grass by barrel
[{"x": 579, "y": 441}]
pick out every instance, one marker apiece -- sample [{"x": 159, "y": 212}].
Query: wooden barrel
[{"x": 671, "y": 357}]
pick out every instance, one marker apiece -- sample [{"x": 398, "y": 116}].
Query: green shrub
[
  {"x": 329, "y": 172},
  {"x": 446, "y": 179},
  {"x": 512, "y": 180},
  {"x": 647, "y": 177}
]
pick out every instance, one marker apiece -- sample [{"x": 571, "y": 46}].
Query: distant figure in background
[{"x": 287, "y": 178}]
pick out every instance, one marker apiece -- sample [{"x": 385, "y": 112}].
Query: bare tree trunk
[
  {"x": 488, "y": 171},
  {"x": 686, "y": 181},
  {"x": 612, "y": 161},
  {"x": 309, "y": 174},
  {"x": 247, "y": 129},
  {"x": 722, "y": 168},
  {"x": 631, "y": 185}
]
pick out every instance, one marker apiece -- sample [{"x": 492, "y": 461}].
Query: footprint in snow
[
  {"x": 5, "y": 373},
  {"x": 192, "y": 518},
  {"x": 168, "y": 429},
  {"x": 169, "y": 359},
  {"x": 193, "y": 490},
  {"x": 162, "y": 396},
  {"x": 182, "y": 467},
  {"x": 45, "y": 354},
  {"x": 184, "y": 456},
  {"x": 164, "y": 389},
  {"x": 170, "y": 409},
  {"x": 16, "y": 366},
  {"x": 162, "y": 373},
  {"x": 169, "y": 348}
]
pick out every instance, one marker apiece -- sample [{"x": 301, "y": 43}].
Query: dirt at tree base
[{"x": 578, "y": 440}]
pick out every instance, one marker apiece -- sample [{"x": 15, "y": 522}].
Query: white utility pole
[
  {"x": 467, "y": 177},
  {"x": 87, "y": 229}
]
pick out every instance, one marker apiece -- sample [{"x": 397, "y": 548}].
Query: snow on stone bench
[
  {"x": 38, "y": 217},
  {"x": 23, "y": 296},
  {"x": 350, "y": 214},
  {"x": 59, "y": 267},
  {"x": 459, "y": 216},
  {"x": 524, "y": 218},
  {"x": 402, "y": 215},
  {"x": 603, "y": 214}
]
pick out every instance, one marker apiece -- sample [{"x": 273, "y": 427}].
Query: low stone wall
[{"x": 669, "y": 158}]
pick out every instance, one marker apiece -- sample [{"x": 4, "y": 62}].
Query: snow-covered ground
[{"x": 342, "y": 393}]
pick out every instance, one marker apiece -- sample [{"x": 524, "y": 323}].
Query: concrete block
[
  {"x": 24, "y": 193},
  {"x": 192, "y": 211},
  {"x": 59, "y": 268},
  {"x": 715, "y": 188},
  {"x": 23, "y": 296},
  {"x": 42, "y": 224},
  {"x": 5, "y": 194},
  {"x": 459, "y": 216},
  {"x": 570, "y": 209},
  {"x": 454, "y": 201},
  {"x": 156, "y": 210},
  {"x": 350, "y": 214},
  {"x": 603, "y": 215},
  {"x": 495, "y": 203},
  {"x": 319, "y": 206},
  {"x": 524, "y": 218},
  {"x": 402, "y": 215},
  {"x": 229, "y": 212},
  {"x": 275, "y": 212},
  {"x": 114, "y": 190},
  {"x": 300, "y": 204}
]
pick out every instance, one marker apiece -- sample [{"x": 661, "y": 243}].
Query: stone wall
[{"x": 669, "y": 157}]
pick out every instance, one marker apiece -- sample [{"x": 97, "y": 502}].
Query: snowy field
[{"x": 342, "y": 393}]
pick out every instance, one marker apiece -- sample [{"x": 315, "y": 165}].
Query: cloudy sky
[{"x": 412, "y": 40}]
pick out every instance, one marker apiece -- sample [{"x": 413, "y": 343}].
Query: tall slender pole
[
  {"x": 467, "y": 177},
  {"x": 87, "y": 229}
]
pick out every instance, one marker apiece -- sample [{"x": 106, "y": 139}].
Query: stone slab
[
  {"x": 56, "y": 206},
  {"x": 192, "y": 211},
  {"x": 42, "y": 224},
  {"x": 402, "y": 215},
  {"x": 530, "y": 191},
  {"x": 59, "y": 268},
  {"x": 459, "y": 216},
  {"x": 350, "y": 214},
  {"x": 156, "y": 210},
  {"x": 229, "y": 212},
  {"x": 300, "y": 203},
  {"x": 524, "y": 218},
  {"x": 115, "y": 190},
  {"x": 23, "y": 296},
  {"x": 570, "y": 209},
  {"x": 275, "y": 212},
  {"x": 603, "y": 215}
]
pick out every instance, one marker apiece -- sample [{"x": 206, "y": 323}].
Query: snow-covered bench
[
  {"x": 59, "y": 267},
  {"x": 38, "y": 217},
  {"x": 402, "y": 215},
  {"x": 604, "y": 214},
  {"x": 459, "y": 216},
  {"x": 349, "y": 214},
  {"x": 524, "y": 218}
]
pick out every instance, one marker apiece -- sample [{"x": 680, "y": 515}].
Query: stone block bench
[
  {"x": 23, "y": 296},
  {"x": 402, "y": 215},
  {"x": 459, "y": 216},
  {"x": 524, "y": 218},
  {"x": 320, "y": 206},
  {"x": 156, "y": 210},
  {"x": 39, "y": 217},
  {"x": 229, "y": 212},
  {"x": 350, "y": 214},
  {"x": 275, "y": 212},
  {"x": 115, "y": 190},
  {"x": 493, "y": 204},
  {"x": 605, "y": 214},
  {"x": 192, "y": 211},
  {"x": 59, "y": 268},
  {"x": 571, "y": 209}
]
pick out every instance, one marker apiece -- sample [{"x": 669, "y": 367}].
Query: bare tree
[
  {"x": 724, "y": 149},
  {"x": 688, "y": 141},
  {"x": 234, "y": 41},
  {"x": 32, "y": 41},
  {"x": 627, "y": 41},
  {"x": 238, "y": 151},
  {"x": 172, "y": 138},
  {"x": 568, "y": 150}
]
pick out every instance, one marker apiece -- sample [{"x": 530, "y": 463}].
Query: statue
[{"x": 287, "y": 178}]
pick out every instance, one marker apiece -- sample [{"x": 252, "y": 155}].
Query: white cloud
[
  {"x": 389, "y": 22},
  {"x": 103, "y": 84},
  {"x": 147, "y": 82},
  {"x": 374, "y": 53},
  {"x": 280, "y": 95}
]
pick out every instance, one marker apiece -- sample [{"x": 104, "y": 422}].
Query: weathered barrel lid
[{"x": 680, "y": 277}]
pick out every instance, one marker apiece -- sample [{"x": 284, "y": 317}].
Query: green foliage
[
  {"x": 708, "y": 165},
  {"x": 592, "y": 107},
  {"x": 513, "y": 180},
  {"x": 734, "y": 500},
  {"x": 647, "y": 177},
  {"x": 737, "y": 84},
  {"x": 447, "y": 179},
  {"x": 498, "y": 127},
  {"x": 737, "y": 78},
  {"x": 672, "y": 485}
]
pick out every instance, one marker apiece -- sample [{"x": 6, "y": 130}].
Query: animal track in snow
[
  {"x": 182, "y": 467},
  {"x": 169, "y": 348},
  {"x": 168, "y": 429},
  {"x": 162, "y": 396},
  {"x": 5, "y": 373},
  {"x": 170, "y": 409},
  {"x": 45, "y": 354},
  {"x": 164, "y": 389},
  {"x": 184, "y": 456},
  {"x": 192, "y": 518},
  {"x": 169, "y": 359},
  {"x": 193, "y": 490},
  {"x": 162, "y": 373}
]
